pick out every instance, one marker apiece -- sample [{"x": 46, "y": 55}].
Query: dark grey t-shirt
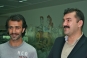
[{"x": 23, "y": 51}]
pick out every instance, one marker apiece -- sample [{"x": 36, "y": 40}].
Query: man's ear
[
  {"x": 23, "y": 30},
  {"x": 80, "y": 23}
]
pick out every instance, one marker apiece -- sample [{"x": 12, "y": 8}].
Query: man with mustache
[
  {"x": 16, "y": 47},
  {"x": 74, "y": 43}
]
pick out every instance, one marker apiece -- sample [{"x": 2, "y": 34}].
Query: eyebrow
[
  {"x": 14, "y": 26},
  {"x": 68, "y": 18}
]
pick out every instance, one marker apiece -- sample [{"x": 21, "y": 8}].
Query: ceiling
[{"x": 9, "y": 6}]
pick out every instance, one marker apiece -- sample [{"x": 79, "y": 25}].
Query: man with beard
[
  {"x": 74, "y": 43},
  {"x": 16, "y": 47}
]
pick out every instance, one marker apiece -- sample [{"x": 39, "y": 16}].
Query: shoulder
[
  {"x": 31, "y": 51},
  {"x": 83, "y": 36},
  {"x": 30, "y": 47},
  {"x": 60, "y": 39},
  {"x": 3, "y": 46},
  {"x": 83, "y": 39}
]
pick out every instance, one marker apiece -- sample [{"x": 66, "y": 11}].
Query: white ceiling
[{"x": 15, "y": 5}]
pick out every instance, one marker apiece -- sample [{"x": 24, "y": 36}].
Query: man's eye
[
  {"x": 69, "y": 20},
  {"x": 10, "y": 27},
  {"x": 17, "y": 27}
]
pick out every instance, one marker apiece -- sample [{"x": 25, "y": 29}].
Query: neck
[
  {"x": 74, "y": 37},
  {"x": 15, "y": 43}
]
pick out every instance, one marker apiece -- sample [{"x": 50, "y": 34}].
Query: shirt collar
[{"x": 66, "y": 37}]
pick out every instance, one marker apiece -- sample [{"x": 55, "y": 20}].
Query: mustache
[
  {"x": 66, "y": 27},
  {"x": 13, "y": 34}
]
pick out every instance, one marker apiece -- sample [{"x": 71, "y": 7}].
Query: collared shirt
[{"x": 68, "y": 47}]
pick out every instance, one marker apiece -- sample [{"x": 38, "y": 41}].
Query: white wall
[{"x": 56, "y": 12}]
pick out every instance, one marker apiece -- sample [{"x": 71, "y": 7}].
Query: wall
[
  {"x": 2, "y": 22},
  {"x": 56, "y": 12}
]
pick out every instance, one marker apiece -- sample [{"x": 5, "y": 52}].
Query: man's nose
[
  {"x": 13, "y": 30},
  {"x": 64, "y": 23}
]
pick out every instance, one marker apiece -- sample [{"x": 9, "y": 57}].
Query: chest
[{"x": 14, "y": 53}]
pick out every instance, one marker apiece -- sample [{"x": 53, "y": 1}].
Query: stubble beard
[{"x": 17, "y": 37}]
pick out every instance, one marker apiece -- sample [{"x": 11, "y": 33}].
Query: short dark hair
[
  {"x": 79, "y": 13},
  {"x": 17, "y": 17}
]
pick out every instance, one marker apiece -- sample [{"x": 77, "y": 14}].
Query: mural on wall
[{"x": 42, "y": 37}]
